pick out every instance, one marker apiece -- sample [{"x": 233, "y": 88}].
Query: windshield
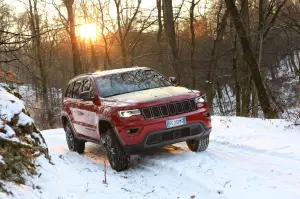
[{"x": 127, "y": 82}]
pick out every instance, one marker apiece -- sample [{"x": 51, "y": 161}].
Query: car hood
[{"x": 169, "y": 94}]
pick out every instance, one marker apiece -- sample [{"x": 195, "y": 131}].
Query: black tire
[
  {"x": 198, "y": 145},
  {"x": 74, "y": 144},
  {"x": 119, "y": 160}
]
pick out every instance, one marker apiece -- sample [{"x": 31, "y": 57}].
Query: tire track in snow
[
  {"x": 275, "y": 167},
  {"x": 176, "y": 179},
  {"x": 146, "y": 172}
]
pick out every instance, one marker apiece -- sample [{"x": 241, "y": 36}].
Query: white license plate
[{"x": 176, "y": 122}]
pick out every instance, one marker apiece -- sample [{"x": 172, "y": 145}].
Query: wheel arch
[
  {"x": 64, "y": 120},
  {"x": 103, "y": 125}
]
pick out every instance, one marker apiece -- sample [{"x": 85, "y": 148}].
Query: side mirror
[
  {"x": 173, "y": 80},
  {"x": 86, "y": 95}
]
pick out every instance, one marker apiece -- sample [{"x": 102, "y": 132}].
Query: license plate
[{"x": 176, "y": 122}]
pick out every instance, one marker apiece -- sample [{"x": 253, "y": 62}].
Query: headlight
[
  {"x": 200, "y": 99},
  {"x": 129, "y": 113}
]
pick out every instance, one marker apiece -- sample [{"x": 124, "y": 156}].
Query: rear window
[
  {"x": 76, "y": 89},
  {"x": 69, "y": 90}
]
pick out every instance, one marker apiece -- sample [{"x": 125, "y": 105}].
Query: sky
[
  {"x": 19, "y": 4},
  {"x": 46, "y": 6}
]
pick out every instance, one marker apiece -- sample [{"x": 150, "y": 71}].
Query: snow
[
  {"x": 9, "y": 132},
  {"x": 24, "y": 119},
  {"x": 11, "y": 106},
  {"x": 1, "y": 160},
  {"x": 247, "y": 158},
  {"x": 36, "y": 135},
  {"x": 120, "y": 70}
]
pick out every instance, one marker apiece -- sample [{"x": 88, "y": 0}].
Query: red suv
[{"x": 130, "y": 110}]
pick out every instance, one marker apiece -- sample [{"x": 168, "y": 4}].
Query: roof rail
[
  {"x": 83, "y": 74},
  {"x": 80, "y": 76}
]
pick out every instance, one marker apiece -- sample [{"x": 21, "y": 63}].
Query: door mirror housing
[
  {"x": 86, "y": 96},
  {"x": 173, "y": 80}
]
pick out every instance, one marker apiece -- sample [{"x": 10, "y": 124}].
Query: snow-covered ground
[{"x": 247, "y": 158}]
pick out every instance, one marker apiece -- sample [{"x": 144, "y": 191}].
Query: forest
[{"x": 243, "y": 55}]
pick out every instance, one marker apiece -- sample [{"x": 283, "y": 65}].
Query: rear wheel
[
  {"x": 74, "y": 144},
  {"x": 119, "y": 160},
  {"x": 198, "y": 145}
]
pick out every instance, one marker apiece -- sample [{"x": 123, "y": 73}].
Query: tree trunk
[
  {"x": 174, "y": 65},
  {"x": 35, "y": 29},
  {"x": 107, "y": 61},
  {"x": 121, "y": 37},
  {"x": 234, "y": 72},
  {"x": 210, "y": 82},
  {"x": 219, "y": 98},
  {"x": 296, "y": 69},
  {"x": 249, "y": 57},
  {"x": 159, "y": 35},
  {"x": 77, "y": 66},
  {"x": 246, "y": 87},
  {"x": 192, "y": 48},
  {"x": 94, "y": 57},
  {"x": 258, "y": 52},
  {"x": 254, "y": 102}
]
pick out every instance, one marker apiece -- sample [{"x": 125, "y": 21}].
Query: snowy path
[
  {"x": 247, "y": 158},
  {"x": 275, "y": 167}
]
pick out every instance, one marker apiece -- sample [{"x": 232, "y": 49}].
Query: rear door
[
  {"x": 76, "y": 109},
  {"x": 67, "y": 101},
  {"x": 89, "y": 116}
]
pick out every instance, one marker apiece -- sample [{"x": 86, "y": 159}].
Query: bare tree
[
  {"x": 249, "y": 57},
  {"x": 159, "y": 33},
  {"x": 174, "y": 62},
  {"x": 36, "y": 45},
  {"x": 235, "y": 71},
  {"x": 192, "y": 30},
  {"x": 71, "y": 30},
  {"x": 107, "y": 61},
  {"x": 221, "y": 24},
  {"x": 124, "y": 30}
]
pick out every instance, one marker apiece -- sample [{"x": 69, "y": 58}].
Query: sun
[{"x": 87, "y": 31}]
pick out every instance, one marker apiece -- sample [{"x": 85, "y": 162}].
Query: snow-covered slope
[
  {"x": 247, "y": 158},
  {"x": 20, "y": 140}
]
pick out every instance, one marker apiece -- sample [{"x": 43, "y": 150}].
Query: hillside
[{"x": 247, "y": 158}]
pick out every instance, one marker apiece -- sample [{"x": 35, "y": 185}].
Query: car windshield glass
[{"x": 127, "y": 82}]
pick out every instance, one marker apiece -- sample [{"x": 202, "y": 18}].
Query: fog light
[{"x": 132, "y": 131}]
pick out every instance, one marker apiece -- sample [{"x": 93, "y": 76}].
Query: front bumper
[
  {"x": 169, "y": 136},
  {"x": 146, "y": 127}
]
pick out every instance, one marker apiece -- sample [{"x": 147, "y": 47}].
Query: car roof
[
  {"x": 117, "y": 71},
  {"x": 109, "y": 72}
]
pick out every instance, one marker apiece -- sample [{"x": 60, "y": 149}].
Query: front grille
[{"x": 165, "y": 110}]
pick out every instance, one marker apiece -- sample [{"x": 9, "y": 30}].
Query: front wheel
[
  {"x": 198, "y": 145},
  {"x": 119, "y": 160}
]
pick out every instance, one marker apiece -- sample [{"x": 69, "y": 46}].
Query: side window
[
  {"x": 69, "y": 90},
  {"x": 76, "y": 89},
  {"x": 87, "y": 86}
]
